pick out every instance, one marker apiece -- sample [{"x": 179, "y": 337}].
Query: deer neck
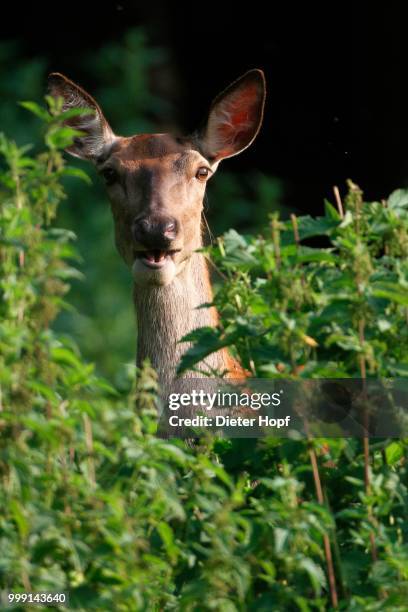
[{"x": 167, "y": 313}]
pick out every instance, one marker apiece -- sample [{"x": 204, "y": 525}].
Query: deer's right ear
[
  {"x": 235, "y": 117},
  {"x": 97, "y": 132}
]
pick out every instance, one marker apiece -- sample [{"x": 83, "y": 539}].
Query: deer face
[
  {"x": 156, "y": 182},
  {"x": 156, "y": 186}
]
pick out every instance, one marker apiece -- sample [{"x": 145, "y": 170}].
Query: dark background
[{"x": 336, "y": 79}]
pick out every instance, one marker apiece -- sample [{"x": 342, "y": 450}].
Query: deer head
[{"x": 156, "y": 182}]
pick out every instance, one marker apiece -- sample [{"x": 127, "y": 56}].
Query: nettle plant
[{"x": 338, "y": 310}]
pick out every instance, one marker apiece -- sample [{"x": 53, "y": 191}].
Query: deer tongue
[{"x": 155, "y": 256}]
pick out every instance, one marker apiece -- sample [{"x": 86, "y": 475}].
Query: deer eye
[
  {"x": 110, "y": 175},
  {"x": 202, "y": 173}
]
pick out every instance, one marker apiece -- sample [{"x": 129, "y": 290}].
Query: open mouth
[{"x": 154, "y": 258}]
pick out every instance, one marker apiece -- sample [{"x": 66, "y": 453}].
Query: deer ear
[
  {"x": 97, "y": 133},
  {"x": 235, "y": 117}
]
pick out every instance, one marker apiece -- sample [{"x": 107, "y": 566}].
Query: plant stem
[
  {"x": 339, "y": 203},
  {"x": 366, "y": 441},
  {"x": 89, "y": 448},
  {"x": 326, "y": 540},
  {"x": 276, "y": 240},
  {"x": 336, "y": 553}
]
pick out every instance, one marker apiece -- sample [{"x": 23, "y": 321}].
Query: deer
[{"x": 156, "y": 185}]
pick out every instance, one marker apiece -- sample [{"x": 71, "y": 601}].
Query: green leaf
[
  {"x": 167, "y": 536},
  {"x": 347, "y": 219},
  {"x": 37, "y": 110},
  {"x": 207, "y": 340},
  {"x": 384, "y": 324},
  {"x": 390, "y": 291},
  {"x": 66, "y": 356},
  {"x": 398, "y": 199},
  {"x": 331, "y": 212},
  {"x": 309, "y": 227},
  {"x": 307, "y": 254},
  {"x": 315, "y": 573},
  {"x": 73, "y": 112},
  {"x": 399, "y": 369},
  {"x": 280, "y": 537},
  {"x": 394, "y": 452},
  {"x": 237, "y": 249},
  {"x": 61, "y": 137},
  {"x": 19, "y": 516}
]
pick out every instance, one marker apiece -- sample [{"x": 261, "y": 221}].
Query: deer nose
[{"x": 155, "y": 232}]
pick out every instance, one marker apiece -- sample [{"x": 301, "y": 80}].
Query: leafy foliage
[
  {"x": 289, "y": 308},
  {"x": 92, "y": 502}
]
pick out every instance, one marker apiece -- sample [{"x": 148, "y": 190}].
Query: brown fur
[
  {"x": 166, "y": 314},
  {"x": 156, "y": 176}
]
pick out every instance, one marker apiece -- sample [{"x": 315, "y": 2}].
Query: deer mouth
[{"x": 154, "y": 258}]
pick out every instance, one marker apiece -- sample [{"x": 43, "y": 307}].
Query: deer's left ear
[
  {"x": 235, "y": 117},
  {"x": 96, "y": 132}
]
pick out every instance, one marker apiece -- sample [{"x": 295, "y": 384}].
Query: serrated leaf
[
  {"x": 309, "y": 227},
  {"x": 398, "y": 199},
  {"x": 315, "y": 573}
]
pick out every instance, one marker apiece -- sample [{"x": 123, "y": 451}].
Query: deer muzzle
[{"x": 156, "y": 245}]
